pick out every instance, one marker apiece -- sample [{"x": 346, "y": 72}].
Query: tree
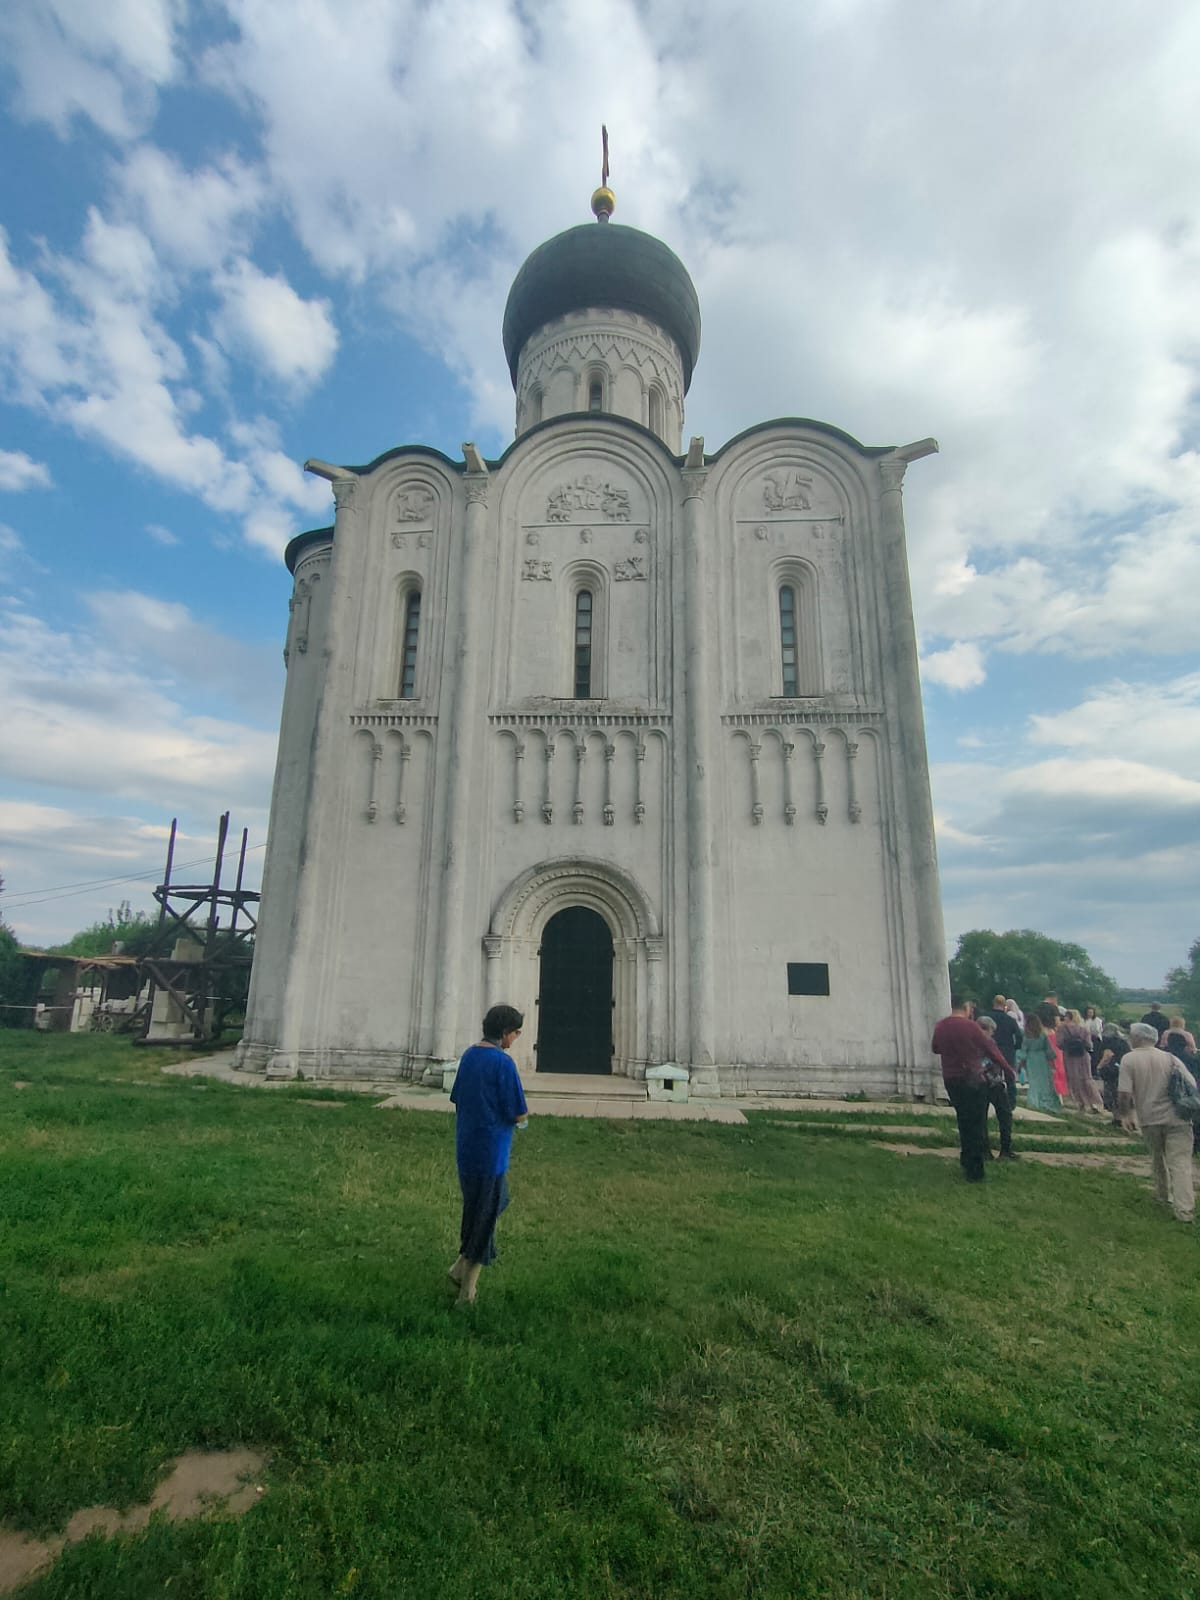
[
  {"x": 1029, "y": 966},
  {"x": 13, "y": 977},
  {"x": 125, "y": 926},
  {"x": 1182, "y": 984}
]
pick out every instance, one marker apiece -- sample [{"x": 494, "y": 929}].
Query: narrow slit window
[
  {"x": 595, "y": 395},
  {"x": 656, "y": 413},
  {"x": 408, "y": 663},
  {"x": 535, "y": 405},
  {"x": 583, "y": 645},
  {"x": 787, "y": 639}
]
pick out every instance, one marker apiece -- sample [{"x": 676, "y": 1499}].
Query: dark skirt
[{"x": 484, "y": 1198}]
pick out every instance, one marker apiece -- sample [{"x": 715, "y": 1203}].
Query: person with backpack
[
  {"x": 1177, "y": 1041},
  {"x": 1113, "y": 1047},
  {"x": 1075, "y": 1042},
  {"x": 1145, "y": 1100}
]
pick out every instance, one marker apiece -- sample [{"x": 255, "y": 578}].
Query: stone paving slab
[{"x": 579, "y": 1106}]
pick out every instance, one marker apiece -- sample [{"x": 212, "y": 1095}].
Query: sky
[{"x": 239, "y": 233}]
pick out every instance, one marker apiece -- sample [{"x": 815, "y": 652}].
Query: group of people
[
  {"x": 1058, "y": 1052},
  {"x": 1065, "y": 1056}
]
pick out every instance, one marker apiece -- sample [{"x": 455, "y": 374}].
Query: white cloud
[
  {"x": 166, "y": 639},
  {"x": 263, "y": 317},
  {"x": 198, "y": 218},
  {"x": 87, "y": 342},
  {"x": 1088, "y": 827},
  {"x": 76, "y": 58},
  {"x": 161, "y": 535},
  {"x": 81, "y": 714},
  {"x": 960, "y": 666},
  {"x": 19, "y": 471},
  {"x": 1127, "y": 719}
]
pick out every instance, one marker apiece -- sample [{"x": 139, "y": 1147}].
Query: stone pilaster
[
  {"x": 698, "y": 721},
  {"x": 462, "y": 736}
]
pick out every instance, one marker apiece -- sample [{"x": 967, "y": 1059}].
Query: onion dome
[{"x": 602, "y": 264}]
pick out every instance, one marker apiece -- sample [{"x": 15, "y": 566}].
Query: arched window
[
  {"x": 796, "y": 645},
  {"x": 787, "y": 639},
  {"x": 534, "y": 405},
  {"x": 408, "y": 649},
  {"x": 583, "y": 644},
  {"x": 595, "y": 394},
  {"x": 656, "y": 411}
]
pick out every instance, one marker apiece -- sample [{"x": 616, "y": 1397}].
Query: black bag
[
  {"x": 1185, "y": 1100},
  {"x": 1074, "y": 1047}
]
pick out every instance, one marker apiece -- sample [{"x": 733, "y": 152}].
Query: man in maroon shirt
[{"x": 962, "y": 1045}]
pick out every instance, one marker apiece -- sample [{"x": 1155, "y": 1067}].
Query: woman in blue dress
[
  {"x": 1035, "y": 1055},
  {"x": 488, "y": 1103}
]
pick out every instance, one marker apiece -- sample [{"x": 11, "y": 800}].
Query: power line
[{"x": 38, "y": 897}]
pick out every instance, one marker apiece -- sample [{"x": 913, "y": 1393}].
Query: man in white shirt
[{"x": 1142, "y": 1092}]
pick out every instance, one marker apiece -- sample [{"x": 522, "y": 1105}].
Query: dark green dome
[{"x": 602, "y": 264}]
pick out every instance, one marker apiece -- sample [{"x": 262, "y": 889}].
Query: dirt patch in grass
[{"x": 223, "y": 1482}]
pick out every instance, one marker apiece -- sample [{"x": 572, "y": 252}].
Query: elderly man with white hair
[{"x": 1143, "y": 1090}]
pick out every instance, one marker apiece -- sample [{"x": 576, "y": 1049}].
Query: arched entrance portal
[
  {"x": 575, "y": 993},
  {"x": 519, "y": 934}
]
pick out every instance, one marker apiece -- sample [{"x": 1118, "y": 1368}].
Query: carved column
[
  {"x": 405, "y": 753},
  {"x": 470, "y": 654},
  {"x": 547, "y": 791},
  {"x": 698, "y": 717},
  {"x": 639, "y": 762},
  {"x": 518, "y": 763},
  {"x": 819, "y": 764},
  {"x": 789, "y": 804},
  {"x": 493, "y": 949},
  {"x": 654, "y": 1000},
  {"x": 610, "y": 751},
  {"x": 372, "y": 792},
  {"x": 577, "y": 807},
  {"x": 756, "y": 810},
  {"x": 853, "y": 808}
]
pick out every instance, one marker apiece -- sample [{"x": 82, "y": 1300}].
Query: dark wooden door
[{"x": 575, "y": 997}]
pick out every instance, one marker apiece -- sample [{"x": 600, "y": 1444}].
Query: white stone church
[{"x": 627, "y": 736}]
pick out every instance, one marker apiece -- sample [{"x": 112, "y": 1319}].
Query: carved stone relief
[
  {"x": 631, "y": 569},
  {"x": 412, "y": 503},
  {"x": 587, "y": 494},
  {"x": 787, "y": 491},
  {"x": 535, "y": 571}
]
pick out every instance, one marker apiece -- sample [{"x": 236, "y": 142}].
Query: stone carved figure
[
  {"x": 535, "y": 571},
  {"x": 787, "y": 491},
  {"x": 413, "y": 503},
  {"x": 633, "y": 568},
  {"x": 587, "y": 494}
]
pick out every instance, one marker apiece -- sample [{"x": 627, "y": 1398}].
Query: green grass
[{"x": 712, "y": 1362}]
